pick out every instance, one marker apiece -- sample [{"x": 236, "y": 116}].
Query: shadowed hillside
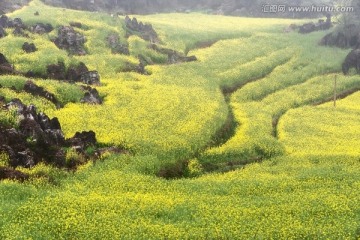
[{"x": 221, "y": 7}]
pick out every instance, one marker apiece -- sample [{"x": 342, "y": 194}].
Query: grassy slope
[{"x": 173, "y": 113}]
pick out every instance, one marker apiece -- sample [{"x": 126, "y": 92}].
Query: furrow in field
[
  {"x": 297, "y": 71},
  {"x": 339, "y": 96},
  {"x": 314, "y": 91},
  {"x": 256, "y": 135},
  {"x": 227, "y": 131},
  {"x": 267, "y": 63}
]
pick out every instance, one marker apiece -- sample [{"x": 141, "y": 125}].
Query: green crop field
[{"x": 262, "y": 151}]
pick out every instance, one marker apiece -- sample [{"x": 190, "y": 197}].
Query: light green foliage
[
  {"x": 8, "y": 118},
  {"x": 307, "y": 185},
  {"x": 47, "y": 53},
  {"x": 63, "y": 92},
  {"x": 13, "y": 81},
  {"x": 41, "y": 104},
  {"x": 4, "y": 159},
  {"x": 73, "y": 158},
  {"x": 195, "y": 169},
  {"x": 139, "y": 46}
]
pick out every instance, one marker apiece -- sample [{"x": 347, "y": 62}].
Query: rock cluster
[
  {"x": 116, "y": 46},
  {"x": 33, "y": 89},
  {"x": 79, "y": 73},
  {"x": 346, "y": 37},
  {"x": 173, "y": 56},
  {"x": 41, "y": 28},
  {"x": 70, "y": 40},
  {"x": 145, "y": 31},
  {"x": 352, "y": 60},
  {"x": 29, "y": 47},
  {"x": 38, "y": 138},
  {"x": 91, "y": 96},
  {"x": 75, "y": 72},
  {"x": 16, "y": 23},
  {"x": 5, "y": 66},
  {"x": 19, "y": 27},
  {"x": 7, "y": 22},
  {"x": 56, "y": 71},
  {"x": 320, "y": 25},
  {"x": 19, "y": 32},
  {"x": 9, "y": 173},
  {"x": 140, "y": 68},
  {"x": 90, "y": 78}
]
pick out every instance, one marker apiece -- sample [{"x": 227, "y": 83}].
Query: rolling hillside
[{"x": 243, "y": 143}]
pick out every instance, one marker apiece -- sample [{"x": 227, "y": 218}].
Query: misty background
[{"x": 246, "y": 8}]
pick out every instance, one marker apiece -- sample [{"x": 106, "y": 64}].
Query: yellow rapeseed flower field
[{"x": 286, "y": 168}]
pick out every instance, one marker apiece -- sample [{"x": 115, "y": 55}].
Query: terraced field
[{"x": 241, "y": 144}]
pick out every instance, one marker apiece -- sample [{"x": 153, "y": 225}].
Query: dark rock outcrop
[
  {"x": 9, "y": 173},
  {"x": 116, "y": 46},
  {"x": 41, "y": 28},
  {"x": 352, "y": 60},
  {"x": 39, "y": 139},
  {"x": 319, "y": 26},
  {"x": 17, "y": 23},
  {"x": 346, "y": 37},
  {"x": 173, "y": 56},
  {"x": 29, "y": 47},
  {"x": 140, "y": 68},
  {"x": 4, "y": 21},
  {"x": 36, "y": 139},
  {"x": 307, "y": 28},
  {"x": 19, "y": 32},
  {"x": 145, "y": 31},
  {"x": 70, "y": 40},
  {"x": 90, "y": 78},
  {"x": 7, "y": 22},
  {"x": 79, "y": 73},
  {"x": 5, "y": 66},
  {"x": 76, "y": 24},
  {"x": 56, "y": 71},
  {"x": 92, "y": 97},
  {"x": 83, "y": 139},
  {"x": 32, "y": 88},
  {"x": 32, "y": 74},
  {"x": 74, "y": 73}
]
